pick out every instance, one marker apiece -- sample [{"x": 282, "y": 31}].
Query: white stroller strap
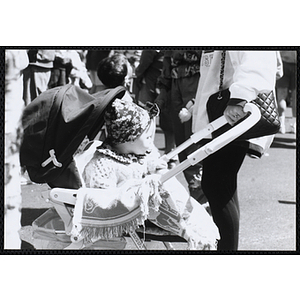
[{"x": 53, "y": 159}]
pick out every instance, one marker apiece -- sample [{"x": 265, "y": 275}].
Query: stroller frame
[{"x": 64, "y": 199}]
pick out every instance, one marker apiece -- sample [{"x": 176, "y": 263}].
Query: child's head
[
  {"x": 142, "y": 144},
  {"x": 113, "y": 70},
  {"x": 129, "y": 127}
]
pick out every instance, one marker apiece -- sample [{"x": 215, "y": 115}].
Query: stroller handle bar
[
  {"x": 215, "y": 144},
  {"x": 196, "y": 137}
]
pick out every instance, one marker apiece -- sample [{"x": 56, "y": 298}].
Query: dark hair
[{"x": 112, "y": 70}]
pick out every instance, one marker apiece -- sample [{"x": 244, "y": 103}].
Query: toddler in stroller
[{"x": 123, "y": 176}]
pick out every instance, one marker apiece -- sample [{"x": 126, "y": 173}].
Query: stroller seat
[{"x": 56, "y": 225}]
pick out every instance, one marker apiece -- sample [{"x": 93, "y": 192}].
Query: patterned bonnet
[{"x": 125, "y": 121}]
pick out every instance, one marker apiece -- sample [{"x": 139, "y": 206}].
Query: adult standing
[
  {"x": 163, "y": 100},
  {"x": 286, "y": 87},
  {"x": 246, "y": 74},
  {"x": 37, "y": 74},
  {"x": 147, "y": 73},
  {"x": 185, "y": 74},
  {"x": 93, "y": 58},
  {"x": 69, "y": 68},
  {"x": 153, "y": 86},
  {"x": 15, "y": 62}
]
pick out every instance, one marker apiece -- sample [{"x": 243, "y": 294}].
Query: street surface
[{"x": 267, "y": 194}]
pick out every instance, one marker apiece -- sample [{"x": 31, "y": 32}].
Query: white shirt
[{"x": 247, "y": 73}]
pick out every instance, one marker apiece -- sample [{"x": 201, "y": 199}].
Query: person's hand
[
  {"x": 161, "y": 164},
  {"x": 234, "y": 113},
  {"x": 184, "y": 115}
]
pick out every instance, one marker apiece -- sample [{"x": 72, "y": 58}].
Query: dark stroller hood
[{"x": 58, "y": 120}]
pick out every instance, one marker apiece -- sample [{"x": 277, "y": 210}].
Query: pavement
[{"x": 267, "y": 195}]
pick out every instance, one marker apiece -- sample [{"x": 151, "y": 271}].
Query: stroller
[{"x": 70, "y": 116}]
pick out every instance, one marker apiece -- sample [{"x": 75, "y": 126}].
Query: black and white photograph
[
  {"x": 143, "y": 149},
  {"x": 149, "y": 150}
]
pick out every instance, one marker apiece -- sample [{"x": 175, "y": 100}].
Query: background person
[
  {"x": 15, "y": 62},
  {"x": 93, "y": 58},
  {"x": 286, "y": 88},
  {"x": 38, "y": 73},
  {"x": 147, "y": 73},
  {"x": 182, "y": 68}
]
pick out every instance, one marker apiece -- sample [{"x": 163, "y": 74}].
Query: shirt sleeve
[{"x": 254, "y": 72}]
